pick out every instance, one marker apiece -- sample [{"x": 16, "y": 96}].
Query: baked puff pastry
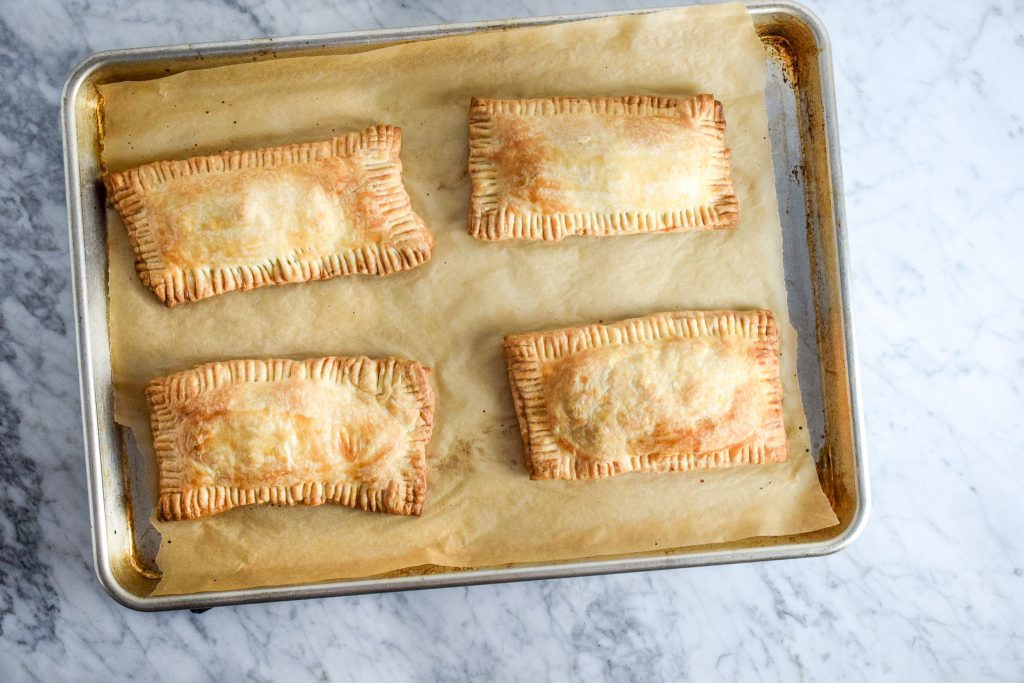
[
  {"x": 668, "y": 392},
  {"x": 350, "y": 431},
  {"x": 546, "y": 169},
  {"x": 246, "y": 219}
]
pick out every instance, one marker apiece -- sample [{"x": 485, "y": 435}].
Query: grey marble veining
[{"x": 932, "y": 140}]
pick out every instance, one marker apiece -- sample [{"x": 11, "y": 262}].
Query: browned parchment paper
[{"x": 451, "y": 314}]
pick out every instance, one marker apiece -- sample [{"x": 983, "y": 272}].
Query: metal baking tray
[{"x": 802, "y": 123}]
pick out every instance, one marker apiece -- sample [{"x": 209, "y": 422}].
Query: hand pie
[
  {"x": 241, "y": 220},
  {"x": 665, "y": 393},
  {"x": 350, "y": 431},
  {"x": 547, "y": 169}
]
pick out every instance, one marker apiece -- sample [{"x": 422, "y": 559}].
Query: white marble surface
[{"x": 932, "y": 140}]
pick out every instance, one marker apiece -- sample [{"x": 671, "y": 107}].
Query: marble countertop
[{"x": 932, "y": 135}]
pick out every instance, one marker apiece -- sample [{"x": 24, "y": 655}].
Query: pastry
[
  {"x": 241, "y": 220},
  {"x": 350, "y": 431},
  {"x": 546, "y": 169},
  {"x": 664, "y": 393}
]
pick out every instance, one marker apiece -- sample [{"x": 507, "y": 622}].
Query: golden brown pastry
[
  {"x": 350, "y": 431},
  {"x": 240, "y": 220},
  {"x": 664, "y": 393},
  {"x": 549, "y": 168}
]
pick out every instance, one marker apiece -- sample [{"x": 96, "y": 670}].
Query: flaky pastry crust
[
  {"x": 245, "y": 219},
  {"x": 664, "y": 393},
  {"x": 350, "y": 431},
  {"x": 545, "y": 169}
]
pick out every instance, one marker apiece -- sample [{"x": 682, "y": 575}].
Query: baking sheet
[{"x": 451, "y": 314}]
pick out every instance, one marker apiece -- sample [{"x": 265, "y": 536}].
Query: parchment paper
[{"x": 452, "y": 313}]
